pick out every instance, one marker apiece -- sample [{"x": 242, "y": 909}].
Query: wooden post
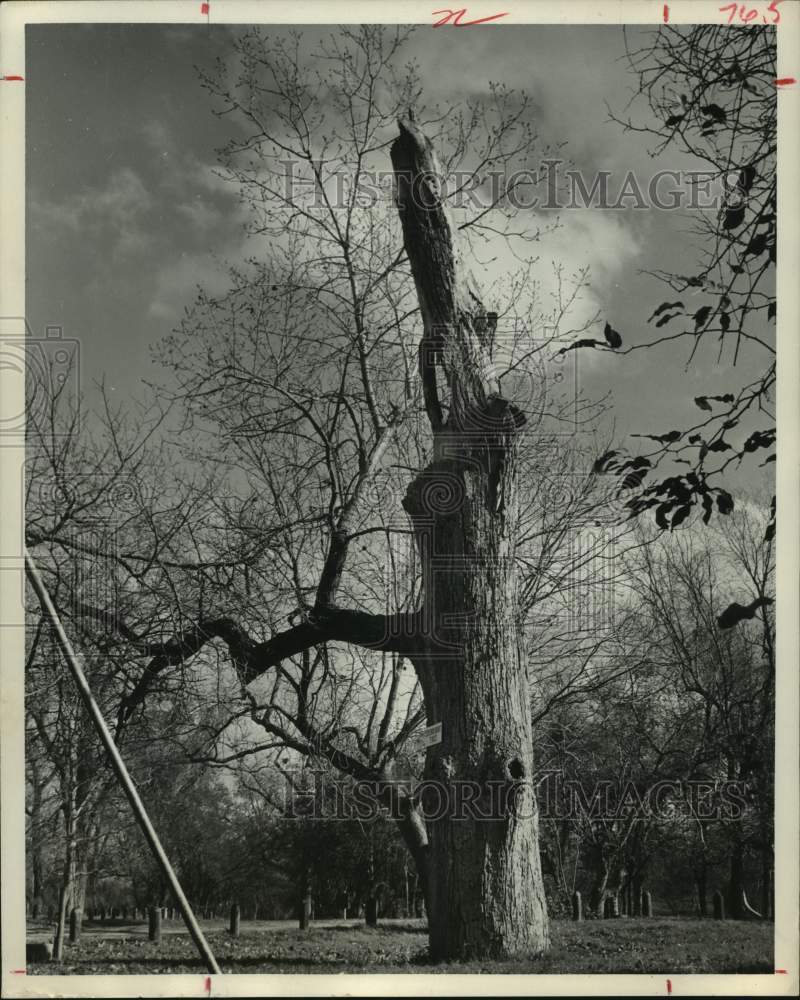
[
  {"x": 719, "y": 906},
  {"x": 235, "y": 917},
  {"x": 154, "y": 924},
  {"x": 371, "y": 911},
  {"x": 305, "y": 912},
  {"x": 577, "y": 906},
  {"x": 647, "y": 904},
  {"x": 75, "y": 919}
]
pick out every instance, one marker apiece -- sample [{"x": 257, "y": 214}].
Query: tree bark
[
  {"x": 305, "y": 901},
  {"x": 637, "y": 888},
  {"x": 736, "y": 881},
  {"x": 601, "y": 869},
  {"x": 702, "y": 891},
  {"x": 67, "y": 887},
  {"x": 58, "y": 938},
  {"x": 35, "y": 843},
  {"x": 485, "y": 893}
]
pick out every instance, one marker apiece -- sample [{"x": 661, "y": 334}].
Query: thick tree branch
[{"x": 391, "y": 633}]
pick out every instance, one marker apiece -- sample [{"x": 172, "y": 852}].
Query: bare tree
[
  {"x": 709, "y": 92},
  {"x": 726, "y": 670},
  {"x": 76, "y": 487},
  {"x": 355, "y": 605}
]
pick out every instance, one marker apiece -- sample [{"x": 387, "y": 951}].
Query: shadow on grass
[
  {"x": 228, "y": 965},
  {"x": 394, "y": 928},
  {"x": 298, "y": 961}
]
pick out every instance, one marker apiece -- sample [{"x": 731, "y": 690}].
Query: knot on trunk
[
  {"x": 515, "y": 769},
  {"x": 494, "y": 421},
  {"x": 439, "y": 489}
]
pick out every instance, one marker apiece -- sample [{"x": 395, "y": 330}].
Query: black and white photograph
[{"x": 399, "y": 444}]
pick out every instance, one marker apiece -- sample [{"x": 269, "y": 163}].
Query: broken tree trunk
[{"x": 485, "y": 894}]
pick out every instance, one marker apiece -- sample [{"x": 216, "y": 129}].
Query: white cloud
[
  {"x": 196, "y": 189},
  {"x": 597, "y": 239},
  {"x": 177, "y": 284},
  {"x": 115, "y": 212}
]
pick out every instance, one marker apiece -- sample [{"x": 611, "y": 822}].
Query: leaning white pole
[{"x": 119, "y": 765}]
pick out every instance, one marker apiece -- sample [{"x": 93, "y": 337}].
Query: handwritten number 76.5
[{"x": 747, "y": 14}]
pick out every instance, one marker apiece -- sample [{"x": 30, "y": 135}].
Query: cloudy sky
[{"x": 126, "y": 216}]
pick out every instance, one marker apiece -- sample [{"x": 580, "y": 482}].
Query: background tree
[
  {"x": 726, "y": 673},
  {"x": 77, "y": 491},
  {"x": 709, "y": 92}
]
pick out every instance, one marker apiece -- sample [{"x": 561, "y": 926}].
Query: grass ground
[{"x": 658, "y": 945}]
